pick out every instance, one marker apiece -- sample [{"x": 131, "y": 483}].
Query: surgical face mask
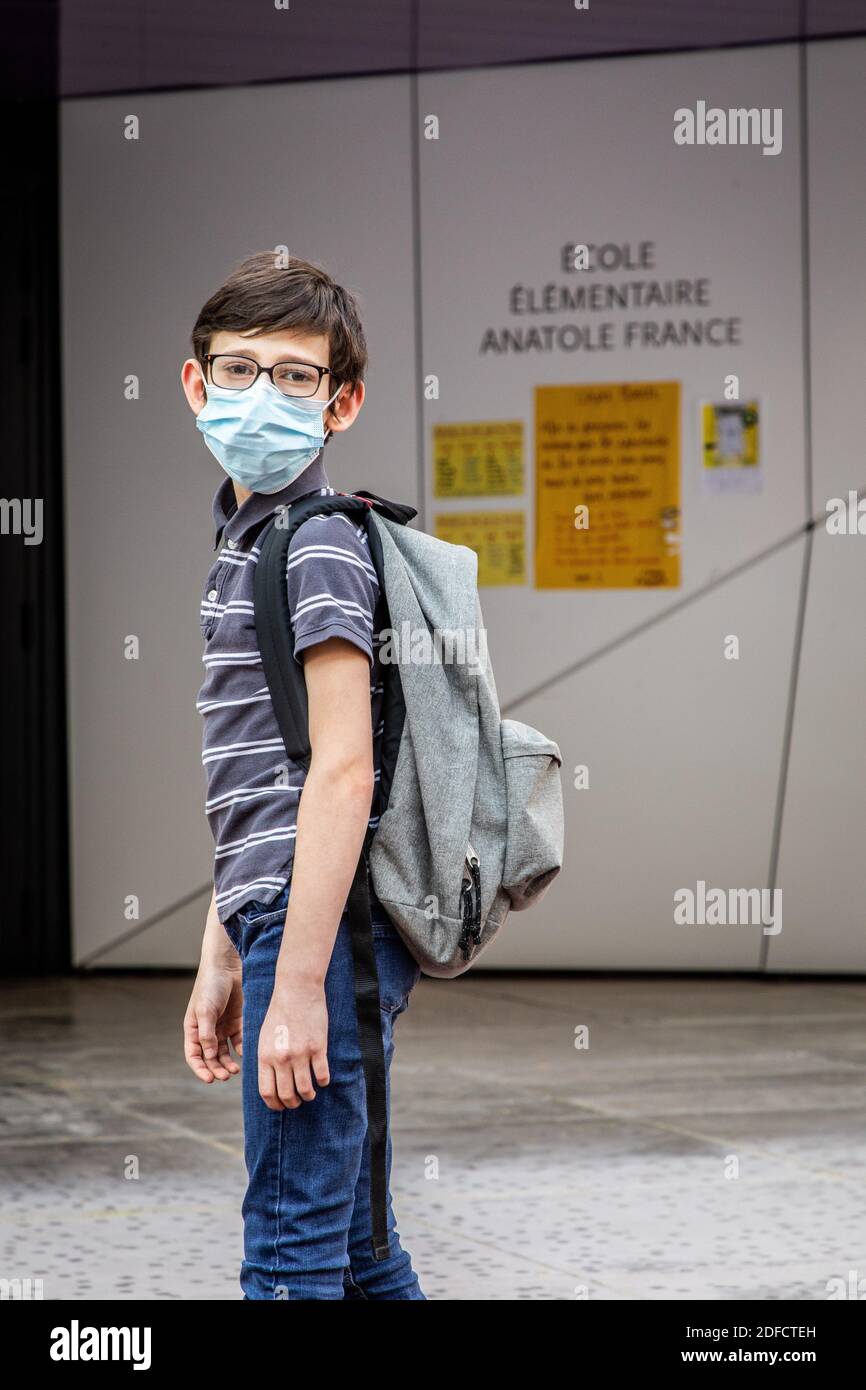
[{"x": 262, "y": 438}]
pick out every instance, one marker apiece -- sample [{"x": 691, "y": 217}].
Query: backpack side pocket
[{"x": 536, "y": 829}]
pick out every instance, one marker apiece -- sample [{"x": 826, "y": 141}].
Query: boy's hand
[
  {"x": 293, "y": 1043},
  {"x": 213, "y": 1019}
]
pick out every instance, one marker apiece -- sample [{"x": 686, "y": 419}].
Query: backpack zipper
[{"x": 470, "y": 904}]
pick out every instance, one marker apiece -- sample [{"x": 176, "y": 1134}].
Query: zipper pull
[{"x": 470, "y": 903}]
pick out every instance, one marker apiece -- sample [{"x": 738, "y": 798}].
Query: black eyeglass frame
[{"x": 211, "y": 357}]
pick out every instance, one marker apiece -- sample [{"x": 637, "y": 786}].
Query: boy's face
[{"x": 269, "y": 348}]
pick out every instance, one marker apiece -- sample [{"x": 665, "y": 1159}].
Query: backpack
[{"x": 471, "y": 809}]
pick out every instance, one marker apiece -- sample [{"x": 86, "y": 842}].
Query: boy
[{"x": 278, "y": 365}]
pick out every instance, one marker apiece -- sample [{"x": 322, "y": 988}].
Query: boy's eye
[
  {"x": 232, "y": 371},
  {"x": 295, "y": 375}
]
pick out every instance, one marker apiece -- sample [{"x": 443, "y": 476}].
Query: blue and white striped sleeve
[{"x": 332, "y": 583}]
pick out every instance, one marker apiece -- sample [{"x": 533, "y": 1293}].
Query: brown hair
[{"x": 258, "y": 297}]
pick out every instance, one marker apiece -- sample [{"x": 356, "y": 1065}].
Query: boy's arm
[
  {"x": 215, "y": 945},
  {"x": 334, "y": 806},
  {"x": 333, "y": 813},
  {"x": 214, "y": 1015},
  {"x": 332, "y": 589}
]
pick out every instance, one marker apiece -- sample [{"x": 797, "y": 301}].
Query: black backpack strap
[
  {"x": 367, "y": 1006},
  {"x": 395, "y": 511},
  {"x": 285, "y": 679},
  {"x": 284, "y": 675},
  {"x": 393, "y": 717}
]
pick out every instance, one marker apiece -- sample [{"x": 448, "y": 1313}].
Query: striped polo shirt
[{"x": 253, "y": 790}]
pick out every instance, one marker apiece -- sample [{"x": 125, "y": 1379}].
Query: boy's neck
[{"x": 310, "y": 478}]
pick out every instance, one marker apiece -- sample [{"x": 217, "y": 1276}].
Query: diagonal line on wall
[
  {"x": 786, "y": 739},
  {"x": 640, "y": 628},
  {"x": 143, "y": 927}
]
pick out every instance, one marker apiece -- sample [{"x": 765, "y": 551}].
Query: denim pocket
[
  {"x": 261, "y": 916},
  {"x": 398, "y": 972},
  {"x": 258, "y": 914}
]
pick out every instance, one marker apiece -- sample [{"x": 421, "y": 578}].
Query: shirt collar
[{"x": 232, "y": 522}]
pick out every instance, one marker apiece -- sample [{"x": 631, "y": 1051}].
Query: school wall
[{"x": 684, "y": 748}]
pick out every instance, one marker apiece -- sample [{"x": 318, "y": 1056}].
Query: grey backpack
[
  {"x": 473, "y": 826},
  {"x": 471, "y": 813}
]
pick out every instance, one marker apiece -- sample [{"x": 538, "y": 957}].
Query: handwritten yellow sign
[
  {"x": 498, "y": 539},
  {"x": 478, "y": 460},
  {"x": 607, "y": 486}
]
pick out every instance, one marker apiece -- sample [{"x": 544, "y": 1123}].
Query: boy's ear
[
  {"x": 344, "y": 411},
  {"x": 192, "y": 381}
]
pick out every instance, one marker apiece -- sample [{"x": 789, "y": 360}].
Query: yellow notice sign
[
  {"x": 496, "y": 537},
  {"x": 607, "y": 480},
  {"x": 483, "y": 460}
]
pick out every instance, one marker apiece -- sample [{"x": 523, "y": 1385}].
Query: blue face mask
[{"x": 262, "y": 438}]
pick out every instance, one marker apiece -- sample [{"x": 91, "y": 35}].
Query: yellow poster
[
  {"x": 478, "y": 460},
  {"x": 496, "y": 537},
  {"x": 607, "y": 486}
]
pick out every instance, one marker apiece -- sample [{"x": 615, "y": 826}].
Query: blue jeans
[{"x": 307, "y": 1225}]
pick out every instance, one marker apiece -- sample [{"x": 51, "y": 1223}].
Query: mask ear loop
[{"x": 328, "y": 429}]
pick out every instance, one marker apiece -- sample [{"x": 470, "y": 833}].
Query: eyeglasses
[{"x": 240, "y": 373}]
